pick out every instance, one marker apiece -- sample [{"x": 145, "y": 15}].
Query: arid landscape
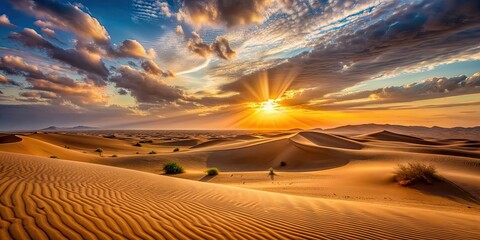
[
  {"x": 55, "y": 185},
  {"x": 240, "y": 119}
]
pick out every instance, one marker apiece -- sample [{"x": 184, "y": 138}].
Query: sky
[{"x": 238, "y": 64}]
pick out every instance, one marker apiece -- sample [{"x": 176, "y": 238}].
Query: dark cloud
[
  {"x": 131, "y": 63},
  {"x": 122, "y": 91},
  {"x": 145, "y": 87},
  {"x": 64, "y": 88},
  {"x": 5, "y": 22},
  {"x": 82, "y": 59},
  {"x": 63, "y": 16},
  {"x": 220, "y": 47}
]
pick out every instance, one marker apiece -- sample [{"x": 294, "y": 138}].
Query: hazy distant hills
[
  {"x": 54, "y": 128},
  {"x": 472, "y": 133}
]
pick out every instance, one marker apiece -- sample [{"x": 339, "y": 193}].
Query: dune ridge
[{"x": 47, "y": 198}]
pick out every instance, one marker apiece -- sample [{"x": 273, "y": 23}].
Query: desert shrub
[
  {"x": 152, "y": 152},
  {"x": 415, "y": 172},
  {"x": 67, "y": 147},
  {"x": 53, "y": 156},
  {"x": 212, "y": 171},
  {"x": 173, "y": 168},
  {"x": 176, "y": 149},
  {"x": 114, "y": 155},
  {"x": 137, "y": 153},
  {"x": 99, "y": 151},
  {"x": 137, "y": 144},
  {"x": 271, "y": 171},
  {"x": 283, "y": 164}
]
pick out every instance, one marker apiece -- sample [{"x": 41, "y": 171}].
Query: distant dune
[{"x": 472, "y": 133}]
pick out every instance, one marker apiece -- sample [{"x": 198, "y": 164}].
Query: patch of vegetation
[
  {"x": 176, "y": 149},
  {"x": 271, "y": 171},
  {"x": 137, "y": 144},
  {"x": 212, "y": 171},
  {"x": 99, "y": 151},
  {"x": 137, "y": 153},
  {"x": 283, "y": 164},
  {"x": 415, "y": 172},
  {"x": 67, "y": 147},
  {"x": 152, "y": 152},
  {"x": 173, "y": 168},
  {"x": 114, "y": 155},
  {"x": 53, "y": 156}
]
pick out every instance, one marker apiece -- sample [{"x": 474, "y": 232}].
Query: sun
[{"x": 269, "y": 106}]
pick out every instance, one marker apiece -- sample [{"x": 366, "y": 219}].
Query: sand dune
[
  {"x": 394, "y": 137},
  {"x": 46, "y": 198},
  {"x": 325, "y": 140},
  {"x": 9, "y": 138}
]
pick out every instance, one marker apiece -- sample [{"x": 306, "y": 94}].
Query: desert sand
[{"x": 331, "y": 187}]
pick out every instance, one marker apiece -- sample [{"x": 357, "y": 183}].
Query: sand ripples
[{"x": 54, "y": 199}]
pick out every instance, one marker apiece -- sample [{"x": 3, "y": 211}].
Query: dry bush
[{"x": 411, "y": 173}]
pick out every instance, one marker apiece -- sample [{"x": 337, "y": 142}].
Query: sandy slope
[{"x": 47, "y": 198}]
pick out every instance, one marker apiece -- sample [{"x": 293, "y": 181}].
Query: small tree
[
  {"x": 173, "y": 168},
  {"x": 283, "y": 164},
  {"x": 271, "y": 171},
  {"x": 99, "y": 151}
]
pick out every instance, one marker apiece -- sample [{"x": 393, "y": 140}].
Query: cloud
[
  {"x": 145, "y": 88},
  {"x": 132, "y": 48},
  {"x": 17, "y": 66},
  {"x": 390, "y": 38},
  {"x": 220, "y": 47},
  {"x": 220, "y": 12},
  {"x": 179, "y": 30},
  {"x": 122, "y": 91},
  {"x": 5, "y": 22},
  {"x": 6, "y": 81},
  {"x": 82, "y": 59},
  {"x": 49, "y": 32},
  {"x": 432, "y": 88},
  {"x": 164, "y": 9},
  {"x": 66, "y": 89},
  {"x": 151, "y": 67},
  {"x": 66, "y": 17}
]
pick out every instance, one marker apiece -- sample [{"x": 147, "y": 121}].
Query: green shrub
[
  {"x": 152, "y": 152},
  {"x": 53, "y": 156},
  {"x": 176, "y": 149},
  {"x": 283, "y": 164},
  {"x": 173, "y": 168},
  {"x": 137, "y": 144},
  {"x": 212, "y": 171},
  {"x": 415, "y": 172},
  {"x": 271, "y": 171}
]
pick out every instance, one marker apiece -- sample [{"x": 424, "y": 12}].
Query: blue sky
[{"x": 203, "y": 64}]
